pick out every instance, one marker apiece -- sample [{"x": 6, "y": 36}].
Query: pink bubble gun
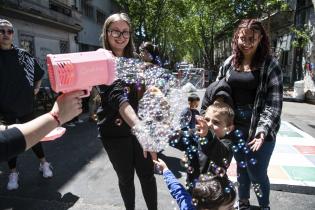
[{"x": 80, "y": 71}]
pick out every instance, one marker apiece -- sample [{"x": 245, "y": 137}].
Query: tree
[
  {"x": 158, "y": 21},
  {"x": 190, "y": 29}
]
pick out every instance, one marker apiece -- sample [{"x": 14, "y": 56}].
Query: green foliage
[
  {"x": 191, "y": 28},
  {"x": 302, "y": 36}
]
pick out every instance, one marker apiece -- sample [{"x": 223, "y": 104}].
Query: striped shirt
[{"x": 268, "y": 100}]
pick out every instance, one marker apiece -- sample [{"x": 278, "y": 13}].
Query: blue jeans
[{"x": 257, "y": 173}]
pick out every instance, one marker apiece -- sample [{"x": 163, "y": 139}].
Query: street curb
[
  {"x": 291, "y": 99},
  {"x": 307, "y": 190}
]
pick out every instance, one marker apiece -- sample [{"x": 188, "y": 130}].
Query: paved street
[{"x": 84, "y": 178}]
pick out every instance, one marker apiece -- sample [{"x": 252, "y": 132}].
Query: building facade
[
  {"x": 94, "y": 13},
  {"x": 298, "y": 62},
  {"x": 42, "y": 27}
]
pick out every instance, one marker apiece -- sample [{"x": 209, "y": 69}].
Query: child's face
[
  {"x": 216, "y": 122},
  {"x": 193, "y": 104}
]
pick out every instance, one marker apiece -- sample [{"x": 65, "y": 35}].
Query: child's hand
[
  {"x": 160, "y": 165},
  {"x": 202, "y": 126},
  {"x": 155, "y": 90}
]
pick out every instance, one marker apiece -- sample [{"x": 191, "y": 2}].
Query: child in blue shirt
[{"x": 209, "y": 193}]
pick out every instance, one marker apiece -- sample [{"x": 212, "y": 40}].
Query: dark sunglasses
[{"x": 9, "y": 31}]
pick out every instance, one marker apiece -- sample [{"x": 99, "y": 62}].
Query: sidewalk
[{"x": 293, "y": 160}]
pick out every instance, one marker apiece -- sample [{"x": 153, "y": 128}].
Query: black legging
[
  {"x": 126, "y": 156},
  {"x": 37, "y": 148}
]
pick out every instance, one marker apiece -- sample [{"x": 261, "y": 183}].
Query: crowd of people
[{"x": 244, "y": 104}]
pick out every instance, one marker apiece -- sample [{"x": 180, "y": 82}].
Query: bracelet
[{"x": 55, "y": 116}]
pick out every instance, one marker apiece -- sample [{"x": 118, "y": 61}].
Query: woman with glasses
[
  {"x": 256, "y": 82},
  {"x": 118, "y": 114}
]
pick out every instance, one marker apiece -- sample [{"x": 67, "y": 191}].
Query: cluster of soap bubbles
[
  {"x": 241, "y": 146},
  {"x": 160, "y": 112},
  {"x": 257, "y": 189},
  {"x": 135, "y": 71},
  {"x": 217, "y": 170},
  {"x": 154, "y": 129},
  {"x": 129, "y": 70},
  {"x": 231, "y": 186}
]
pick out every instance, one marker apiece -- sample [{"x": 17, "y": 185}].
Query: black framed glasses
[
  {"x": 117, "y": 34},
  {"x": 9, "y": 31}
]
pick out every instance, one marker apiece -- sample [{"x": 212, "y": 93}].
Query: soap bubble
[
  {"x": 257, "y": 189},
  {"x": 253, "y": 161},
  {"x": 234, "y": 148},
  {"x": 162, "y": 106},
  {"x": 242, "y": 164}
]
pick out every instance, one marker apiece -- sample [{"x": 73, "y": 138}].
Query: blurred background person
[
  {"x": 20, "y": 80},
  {"x": 150, "y": 53}
]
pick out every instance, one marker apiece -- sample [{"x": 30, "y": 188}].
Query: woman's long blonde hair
[{"x": 129, "y": 49}]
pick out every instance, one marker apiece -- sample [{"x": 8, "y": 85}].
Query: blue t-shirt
[{"x": 178, "y": 191}]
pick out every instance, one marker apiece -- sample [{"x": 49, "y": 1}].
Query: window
[
  {"x": 27, "y": 43},
  {"x": 100, "y": 17},
  {"x": 87, "y": 9}
]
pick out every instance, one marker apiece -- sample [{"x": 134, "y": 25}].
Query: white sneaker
[
  {"x": 46, "y": 169},
  {"x": 70, "y": 124},
  {"x": 79, "y": 121},
  {"x": 13, "y": 181}
]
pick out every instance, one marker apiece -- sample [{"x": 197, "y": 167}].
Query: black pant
[
  {"x": 126, "y": 156},
  {"x": 37, "y": 148}
]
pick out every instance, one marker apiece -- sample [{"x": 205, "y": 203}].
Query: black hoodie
[{"x": 216, "y": 89}]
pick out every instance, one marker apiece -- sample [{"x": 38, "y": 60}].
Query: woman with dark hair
[
  {"x": 117, "y": 115},
  {"x": 257, "y": 89},
  {"x": 150, "y": 53}
]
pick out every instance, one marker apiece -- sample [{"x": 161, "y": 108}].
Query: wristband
[{"x": 55, "y": 116}]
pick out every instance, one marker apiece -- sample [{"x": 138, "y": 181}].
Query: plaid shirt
[{"x": 268, "y": 101}]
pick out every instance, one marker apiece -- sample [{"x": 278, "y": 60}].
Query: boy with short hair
[
  {"x": 216, "y": 154},
  {"x": 212, "y": 189}
]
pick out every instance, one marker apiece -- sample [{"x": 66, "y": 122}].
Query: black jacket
[
  {"x": 216, "y": 89},
  {"x": 12, "y": 143},
  {"x": 19, "y": 72},
  {"x": 110, "y": 123},
  {"x": 218, "y": 151}
]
